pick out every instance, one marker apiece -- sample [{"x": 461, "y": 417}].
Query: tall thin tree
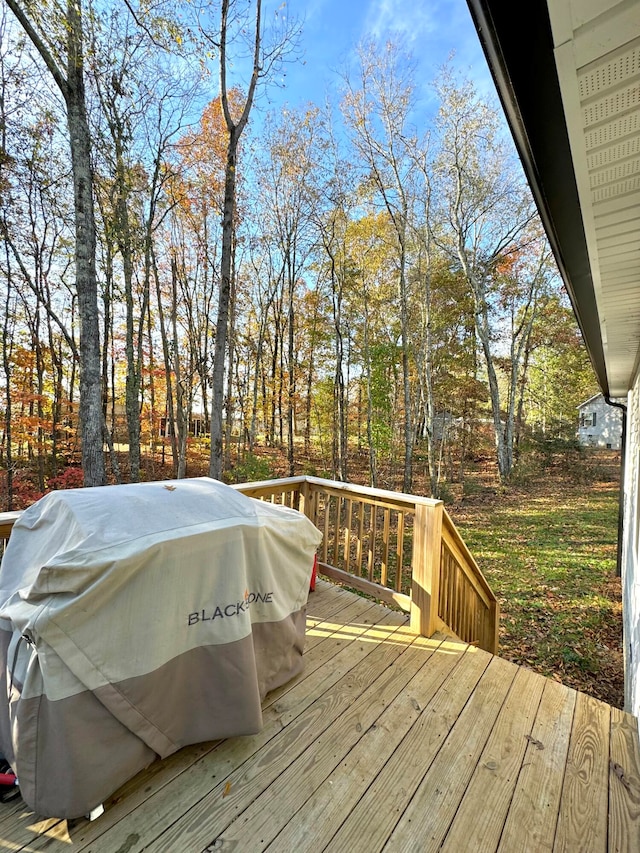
[
  {"x": 71, "y": 82},
  {"x": 234, "y": 126}
]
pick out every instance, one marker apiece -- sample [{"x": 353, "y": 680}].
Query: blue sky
[{"x": 428, "y": 29}]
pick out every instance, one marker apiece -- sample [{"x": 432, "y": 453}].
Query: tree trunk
[
  {"x": 7, "y": 357},
  {"x": 425, "y": 359},
  {"x": 182, "y": 395},
  {"x": 85, "y": 255},
  {"x": 40, "y": 376},
  {"x": 291, "y": 368},
  {"x": 234, "y": 129},
  {"x": 231, "y": 356},
  {"x": 222, "y": 323},
  {"x": 504, "y": 451},
  {"x": 132, "y": 385},
  {"x": 310, "y": 379},
  {"x": 373, "y": 459},
  {"x": 406, "y": 379},
  {"x": 258, "y": 376},
  {"x": 170, "y": 408}
]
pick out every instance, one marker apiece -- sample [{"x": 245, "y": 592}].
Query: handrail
[
  {"x": 402, "y": 549},
  {"x": 7, "y": 520},
  {"x": 381, "y": 495},
  {"x": 455, "y": 541}
]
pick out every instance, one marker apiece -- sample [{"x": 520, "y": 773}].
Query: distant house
[
  {"x": 444, "y": 427},
  {"x": 599, "y": 424},
  {"x": 196, "y": 426}
]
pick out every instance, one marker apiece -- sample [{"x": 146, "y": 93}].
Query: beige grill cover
[{"x": 140, "y": 618}]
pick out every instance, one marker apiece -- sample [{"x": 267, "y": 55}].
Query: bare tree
[
  {"x": 71, "y": 82},
  {"x": 236, "y": 18},
  {"x": 235, "y": 127},
  {"x": 290, "y": 193},
  {"x": 141, "y": 111},
  {"x": 378, "y": 111},
  {"x": 489, "y": 221}
]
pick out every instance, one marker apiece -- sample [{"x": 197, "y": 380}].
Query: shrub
[
  {"x": 250, "y": 468},
  {"x": 445, "y": 493},
  {"x": 70, "y": 478},
  {"x": 470, "y": 488},
  {"x": 24, "y": 490}
]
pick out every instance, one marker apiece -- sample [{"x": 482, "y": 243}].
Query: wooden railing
[
  {"x": 402, "y": 549},
  {"x": 7, "y": 520}
]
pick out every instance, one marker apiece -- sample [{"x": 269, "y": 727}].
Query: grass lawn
[{"x": 549, "y": 553}]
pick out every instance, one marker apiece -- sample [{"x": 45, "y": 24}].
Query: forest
[{"x": 189, "y": 278}]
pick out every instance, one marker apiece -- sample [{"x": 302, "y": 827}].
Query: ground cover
[
  {"x": 548, "y": 548},
  {"x": 549, "y": 553}
]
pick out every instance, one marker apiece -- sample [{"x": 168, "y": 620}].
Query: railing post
[
  {"x": 494, "y": 627},
  {"x": 304, "y": 500},
  {"x": 425, "y": 568}
]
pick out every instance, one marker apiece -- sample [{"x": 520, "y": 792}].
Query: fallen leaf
[
  {"x": 170, "y": 488},
  {"x": 536, "y": 743}
]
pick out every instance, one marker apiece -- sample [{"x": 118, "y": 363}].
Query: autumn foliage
[{"x": 366, "y": 336}]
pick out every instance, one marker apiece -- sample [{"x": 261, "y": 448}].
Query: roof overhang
[{"x": 568, "y": 75}]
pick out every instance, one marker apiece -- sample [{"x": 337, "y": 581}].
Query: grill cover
[{"x": 140, "y": 618}]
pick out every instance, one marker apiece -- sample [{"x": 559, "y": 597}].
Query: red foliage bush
[
  {"x": 25, "y": 492},
  {"x": 71, "y": 478}
]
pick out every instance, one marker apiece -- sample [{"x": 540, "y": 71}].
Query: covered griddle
[{"x": 137, "y": 619}]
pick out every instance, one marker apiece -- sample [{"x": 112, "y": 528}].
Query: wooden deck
[{"x": 390, "y": 742}]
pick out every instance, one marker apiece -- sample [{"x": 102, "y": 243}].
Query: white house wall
[{"x": 631, "y": 554}]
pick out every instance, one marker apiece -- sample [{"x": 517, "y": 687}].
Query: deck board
[
  {"x": 582, "y": 823},
  {"x": 269, "y": 813},
  {"x": 335, "y": 798},
  {"x": 425, "y": 820},
  {"x": 490, "y": 791},
  {"x": 531, "y": 823},
  {"x": 624, "y": 790},
  {"x": 386, "y": 741}
]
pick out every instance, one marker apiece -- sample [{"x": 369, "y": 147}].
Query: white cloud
[
  {"x": 432, "y": 31},
  {"x": 411, "y": 21}
]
